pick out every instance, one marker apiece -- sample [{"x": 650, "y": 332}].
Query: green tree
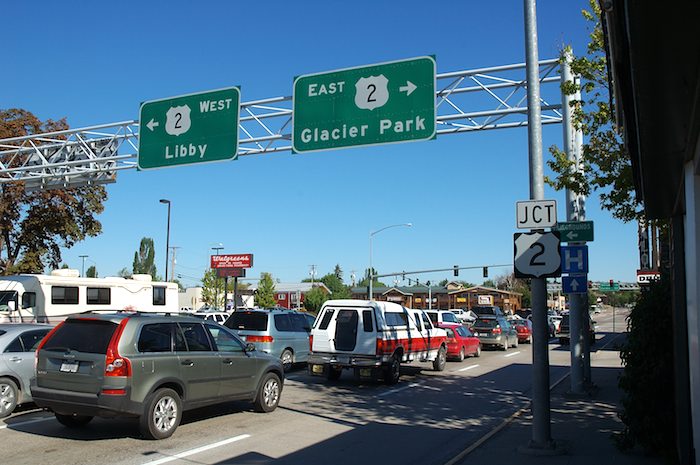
[
  {"x": 489, "y": 283},
  {"x": 338, "y": 272},
  {"x": 336, "y": 286},
  {"x": 91, "y": 272},
  {"x": 35, "y": 225},
  {"x": 124, "y": 273},
  {"x": 144, "y": 258},
  {"x": 364, "y": 282},
  {"x": 314, "y": 299},
  {"x": 212, "y": 289},
  {"x": 605, "y": 166},
  {"x": 265, "y": 297}
]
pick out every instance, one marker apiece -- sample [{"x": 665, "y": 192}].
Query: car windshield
[{"x": 251, "y": 321}]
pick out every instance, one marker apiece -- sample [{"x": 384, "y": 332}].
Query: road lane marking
[
  {"x": 28, "y": 422},
  {"x": 187, "y": 453},
  {"x": 468, "y": 368},
  {"x": 393, "y": 391},
  {"x": 512, "y": 354}
]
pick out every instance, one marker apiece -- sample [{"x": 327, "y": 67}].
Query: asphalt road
[{"x": 428, "y": 418}]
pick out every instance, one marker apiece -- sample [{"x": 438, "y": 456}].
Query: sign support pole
[
  {"x": 235, "y": 292},
  {"x": 572, "y": 214},
  {"x": 541, "y": 428}
]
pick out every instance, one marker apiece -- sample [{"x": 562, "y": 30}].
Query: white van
[{"x": 373, "y": 339}]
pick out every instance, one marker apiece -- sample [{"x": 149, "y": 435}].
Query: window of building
[
  {"x": 62, "y": 295},
  {"x": 99, "y": 296}
]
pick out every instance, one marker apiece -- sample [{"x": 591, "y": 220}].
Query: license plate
[
  {"x": 69, "y": 367},
  {"x": 365, "y": 372},
  {"x": 317, "y": 369}
]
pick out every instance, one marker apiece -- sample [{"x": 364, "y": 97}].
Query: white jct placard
[{"x": 535, "y": 214}]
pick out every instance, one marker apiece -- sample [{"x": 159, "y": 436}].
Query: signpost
[
  {"x": 193, "y": 128},
  {"x": 537, "y": 255},
  {"x": 535, "y": 214},
  {"x": 574, "y": 259},
  {"x": 574, "y": 284},
  {"x": 368, "y": 105},
  {"x": 575, "y": 231},
  {"x": 606, "y": 287},
  {"x": 232, "y": 261}
]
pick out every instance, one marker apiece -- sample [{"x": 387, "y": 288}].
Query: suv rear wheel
[
  {"x": 73, "y": 421},
  {"x": 162, "y": 414},
  {"x": 268, "y": 394}
]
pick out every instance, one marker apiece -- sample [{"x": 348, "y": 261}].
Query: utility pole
[
  {"x": 312, "y": 273},
  {"x": 82, "y": 274},
  {"x": 173, "y": 261}
]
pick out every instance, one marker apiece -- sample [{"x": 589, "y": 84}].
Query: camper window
[
  {"x": 6, "y": 297},
  {"x": 158, "y": 295},
  {"x": 99, "y": 295},
  {"x": 28, "y": 299},
  {"x": 61, "y": 295}
]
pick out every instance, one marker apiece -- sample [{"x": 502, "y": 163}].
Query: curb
[{"x": 499, "y": 427}]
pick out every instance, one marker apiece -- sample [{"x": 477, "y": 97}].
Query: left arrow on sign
[
  {"x": 408, "y": 88},
  {"x": 152, "y": 124}
]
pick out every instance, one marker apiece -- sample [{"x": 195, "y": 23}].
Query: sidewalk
[{"x": 585, "y": 424}]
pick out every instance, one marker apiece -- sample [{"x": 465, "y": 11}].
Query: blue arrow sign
[
  {"x": 574, "y": 259},
  {"x": 574, "y": 284}
]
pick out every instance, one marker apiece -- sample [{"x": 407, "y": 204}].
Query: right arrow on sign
[{"x": 408, "y": 88}]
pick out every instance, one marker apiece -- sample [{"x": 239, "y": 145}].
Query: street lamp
[
  {"x": 167, "y": 238},
  {"x": 371, "y": 234}
]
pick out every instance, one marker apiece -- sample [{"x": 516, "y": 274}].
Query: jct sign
[{"x": 232, "y": 261}]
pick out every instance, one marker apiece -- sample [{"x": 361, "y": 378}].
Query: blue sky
[{"x": 95, "y": 62}]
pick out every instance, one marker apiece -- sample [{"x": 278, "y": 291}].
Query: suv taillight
[
  {"x": 43, "y": 341},
  {"x": 115, "y": 364},
  {"x": 380, "y": 346},
  {"x": 496, "y": 330},
  {"x": 311, "y": 343},
  {"x": 259, "y": 339}
]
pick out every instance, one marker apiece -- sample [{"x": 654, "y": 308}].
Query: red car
[
  {"x": 524, "y": 329},
  {"x": 460, "y": 341}
]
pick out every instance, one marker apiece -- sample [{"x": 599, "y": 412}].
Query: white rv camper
[{"x": 49, "y": 299}]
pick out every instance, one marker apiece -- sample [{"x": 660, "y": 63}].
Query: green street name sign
[
  {"x": 193, "y": 128},
  {"x": 368, "y": 105},
  {"x": 575, "y": 231}
]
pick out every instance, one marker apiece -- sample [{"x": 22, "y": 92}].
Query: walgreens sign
[{"x": 232, "y": 261}]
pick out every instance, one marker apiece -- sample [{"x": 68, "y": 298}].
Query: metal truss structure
[{"x": 470, "y": 100}]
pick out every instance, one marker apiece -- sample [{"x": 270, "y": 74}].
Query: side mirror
[{"x": 250, "y": 347}]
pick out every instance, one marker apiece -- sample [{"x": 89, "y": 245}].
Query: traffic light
[
  {"x": 612, "y": 283},
  {"x": 486, "y": 272},
  {"x": 590, "y": 284},
  {"x": 456, "y": 271}
]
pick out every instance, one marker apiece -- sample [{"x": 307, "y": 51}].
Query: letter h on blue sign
[{"x": 574, "y": 259}]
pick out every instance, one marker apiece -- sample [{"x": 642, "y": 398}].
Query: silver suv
[
  {"x": 281, "y": 333},
  {"x": 148, "y": 366}
]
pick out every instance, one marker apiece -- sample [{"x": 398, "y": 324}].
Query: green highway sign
[
  {"x": 368, "y": 105},
  {"x": 606, "y": 287},
  {"x": 193, "y": 128},
  {"x": 575, "y": 231}
]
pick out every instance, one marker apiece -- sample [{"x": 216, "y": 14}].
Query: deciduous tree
[
  {"x": 265, "y": 297},
  {"x": 35, "y": 225}
]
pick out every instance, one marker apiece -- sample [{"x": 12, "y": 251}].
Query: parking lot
[{"x": 429, "y": 417}]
